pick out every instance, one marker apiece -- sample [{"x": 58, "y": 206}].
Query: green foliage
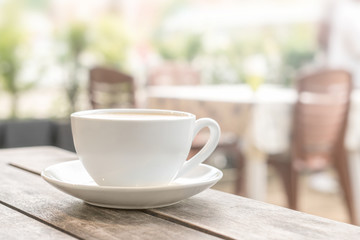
[
  {"x": 11, "y": 38},
  {"x": 178, "y": 46},
  {"x": 298, "y": 49},
  {"x": 12, "y": 53},
  {"x": 285, "y": 50},
  {"x": 105, "y": 40},
  {"x": 74, "y": 38},
  {"x": 109, "y": 42}
]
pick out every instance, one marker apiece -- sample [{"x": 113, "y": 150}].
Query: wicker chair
[
  {"x": 110, "y": 88},
  {"x": 319, "y": 124}
]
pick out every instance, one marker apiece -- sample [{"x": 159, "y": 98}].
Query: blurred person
[{"x": 339, "y": 36}]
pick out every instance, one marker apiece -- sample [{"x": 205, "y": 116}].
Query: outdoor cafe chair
[
  {"x": 109, "y": 88},
  {"x": 319, "y": 124}
]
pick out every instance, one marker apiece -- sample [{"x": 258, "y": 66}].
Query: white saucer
[{"x": 72, "y": 178}]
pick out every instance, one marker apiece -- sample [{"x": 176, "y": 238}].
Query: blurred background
[{"x": 235, "y": 61}]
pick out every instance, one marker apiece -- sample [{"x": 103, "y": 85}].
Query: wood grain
[
  {"x": 237, "y": 217},
  {"x": 14, "y": 225},
  {"x": 30, "y": 194},
  {"x": 48, "y": 152},
  {"x": 230, "y": 216},
  {"x": 39, "y": 157}
]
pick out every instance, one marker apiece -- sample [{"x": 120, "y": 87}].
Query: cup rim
[{"x": 184, "y": 115}]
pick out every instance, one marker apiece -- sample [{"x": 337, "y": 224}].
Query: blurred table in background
[
  {"x": 228, "y": 104},
  {"x": 239, "y": 110},
  {"x": 262, "y": 120}
]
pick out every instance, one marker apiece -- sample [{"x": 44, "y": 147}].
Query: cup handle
[{"x": 209, "y": 147}]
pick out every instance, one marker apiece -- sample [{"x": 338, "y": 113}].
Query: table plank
[
  {"x": 231, "y": 216},
  {"x": 38, "y": 152},
  {"x": 30, "y": 194},
  {"x": 25, "y": 227},
  {"x": 45, "y": 156},
  {"x": 237, "y": 217}
]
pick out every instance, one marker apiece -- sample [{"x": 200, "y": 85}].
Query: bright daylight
[{"x": 180, "y": 119}]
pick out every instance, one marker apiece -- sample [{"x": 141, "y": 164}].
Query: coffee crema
[{"x": 134, "y": 116}]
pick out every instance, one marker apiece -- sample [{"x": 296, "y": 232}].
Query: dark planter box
[{"x": 36, "y": 132}]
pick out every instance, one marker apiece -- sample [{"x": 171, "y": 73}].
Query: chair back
[
  {"x": 320, "y": 116},
  {"x": 109, "y": 88}
]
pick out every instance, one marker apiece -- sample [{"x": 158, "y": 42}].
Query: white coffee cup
[{"x": 139, "y": 147}]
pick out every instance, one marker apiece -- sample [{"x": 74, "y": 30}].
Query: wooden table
[{"x": 32, "y": 209}]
